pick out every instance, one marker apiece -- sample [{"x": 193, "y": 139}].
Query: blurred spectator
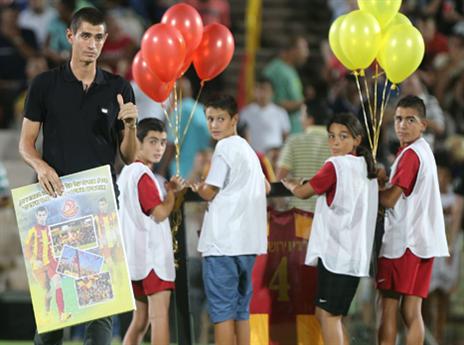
[
  {"x": 282, "y": 72},
  {"x": 129, "y": 22},
  {"x": 266, "y": 166},
  {"x": 340, "y": 7},
  {"x": 435, "y": 117},
  {"x": 452, "y": 13},
  {"x": 16, "y": 46},
  {"x": 450, "y": 67},
  {"x": 304, "y": 154},
  {"x": 445, "y": 272},
  {"x": 146, "y": 106},
  {"x": 197, "y": 137},
  {"x": 4, "y": 187},
  {"x": 151, "y": 10},
  {"x": 456, "y": 104},
  {"x": 35, "y": 65},
  {"x": 435, "y": 42},
  {"x": 446, "y": 12},
  {"x": 344, "y": 97},
  {"x": 212, "y": 11},
  {"x": 268, "y": 123},
  {"x": 119, "y": 48},
  {"x": 426, "y": 7},
  {"x": 57, "y": 48},
  {"x": 37, "y": 17}
]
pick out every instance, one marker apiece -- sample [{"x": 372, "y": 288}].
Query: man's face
[
  {"x": 263, "y": 93},
  {"x": 408, "y": 125},
  {"x": 301, "y": 52},
  {"x": 41, "y": 218},
  {"x": 87, "y": 42},
  {"x": 220, "y": 123}
]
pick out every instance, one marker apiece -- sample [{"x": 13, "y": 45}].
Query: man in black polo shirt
[{"x": 86, "y": 114}]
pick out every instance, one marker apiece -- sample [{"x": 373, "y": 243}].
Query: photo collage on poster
[{"x": 73, "y": 251}]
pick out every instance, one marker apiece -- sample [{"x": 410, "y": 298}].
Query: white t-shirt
[
  {"x": 148, "y": 244},
  {"x": 37, "y": 22},
  {"x": 235, "y": 222},
  {"x": 416, "y": 221},
  {"x": 267, "y": 125},
  {"x": 342, "y": 234}
]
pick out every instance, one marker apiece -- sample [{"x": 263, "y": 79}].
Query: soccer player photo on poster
[{"x": 73, "y": 250}]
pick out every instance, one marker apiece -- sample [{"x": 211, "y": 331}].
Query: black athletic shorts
[{"x": 334, "y": 291}]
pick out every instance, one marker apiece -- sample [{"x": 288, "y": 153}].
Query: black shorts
[{"x": 334, "y": 291}]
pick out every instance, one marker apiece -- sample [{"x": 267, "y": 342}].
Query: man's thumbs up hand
[{"x": 127, "y": 112}]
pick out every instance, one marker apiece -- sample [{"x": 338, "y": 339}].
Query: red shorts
[
  {"x": 51, "y": 268},
  {"x": 407, "y": 275},
  {"x": 150, "y": 284}
]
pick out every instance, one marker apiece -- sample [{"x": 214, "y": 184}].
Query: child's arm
[
  {"x": 456, "y": 219},
  {"x": 205, "y": 191},
  {"x": 161, "y": 211},
  {"x": 214, "y": 181},
  {"x": 403, "y": 181},
  {"x": 267, "y": 186},
  {"x": 324, "y": 180},
  {"x": 388, "y": 197},
  {"x": 302, "y": 191}
]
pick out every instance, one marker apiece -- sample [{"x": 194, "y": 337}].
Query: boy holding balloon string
[
  {"x": 234, "y": 228},
  {"x": 414, "y": 227}
]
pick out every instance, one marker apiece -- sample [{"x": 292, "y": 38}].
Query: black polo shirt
[{"x": 80, "y": 128}]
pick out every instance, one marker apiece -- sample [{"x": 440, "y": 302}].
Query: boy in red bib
[{"x": 414, "y": 227}]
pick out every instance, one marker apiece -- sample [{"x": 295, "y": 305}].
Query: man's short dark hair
[
  {"x": 224, "y": 102},
  {"x": 413, "y": 102},
  {"x": 262, "y": 80},
  {"x": 291, "y": 42},
  {"x": 149, "y": 124},
  {"x": 89, "y": 15}
]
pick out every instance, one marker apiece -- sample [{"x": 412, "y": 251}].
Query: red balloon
[
  {"x": 163, "y": 49},
  {"x": 187, "y": 20},
  {"x": 185, "y": 65},
  {"x": 215, "y": 51},
  {"x": 148, "y": 82}
]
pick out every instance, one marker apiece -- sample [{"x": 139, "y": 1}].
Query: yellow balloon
[
  {"x": 401, "y": 52},
  {"x": 360, "y": 38},
  {"x": 398, "y": 19},
  {"x": 382, "y": 10},
  {"x": 334, "y": 42}
]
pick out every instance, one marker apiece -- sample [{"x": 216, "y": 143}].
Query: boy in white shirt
[
  {"x": 234, "y": 226},
  {"x": 144, "y": 210},
  {"x": 414, "y": 227}
]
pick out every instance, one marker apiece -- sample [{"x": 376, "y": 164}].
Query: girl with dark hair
[{"x": 343, "y": 228}]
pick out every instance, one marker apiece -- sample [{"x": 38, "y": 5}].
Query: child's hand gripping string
[
  {"x": 176, "y": 184},
  {"x": 291, "y": 184}
]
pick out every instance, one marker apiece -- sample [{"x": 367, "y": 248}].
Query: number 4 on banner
[{"x": 279, "y": 280}]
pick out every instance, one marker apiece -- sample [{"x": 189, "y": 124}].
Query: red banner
[{"x": 284, "y": 288}]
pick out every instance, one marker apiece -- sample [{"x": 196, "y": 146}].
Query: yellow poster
[{"x": 73, "y": 250}]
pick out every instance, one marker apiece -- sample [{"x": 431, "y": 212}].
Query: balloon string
[
  {"x": 376, "y": 77},
  {"x": 363, "y": 109},
  {"x": 176, "y": 130},
  {"x": 166, "y": 115},
  {"x": 383, "y": 104},
  {"x": 184, "y": 134},
  {"x": 372, "y": 115}
]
